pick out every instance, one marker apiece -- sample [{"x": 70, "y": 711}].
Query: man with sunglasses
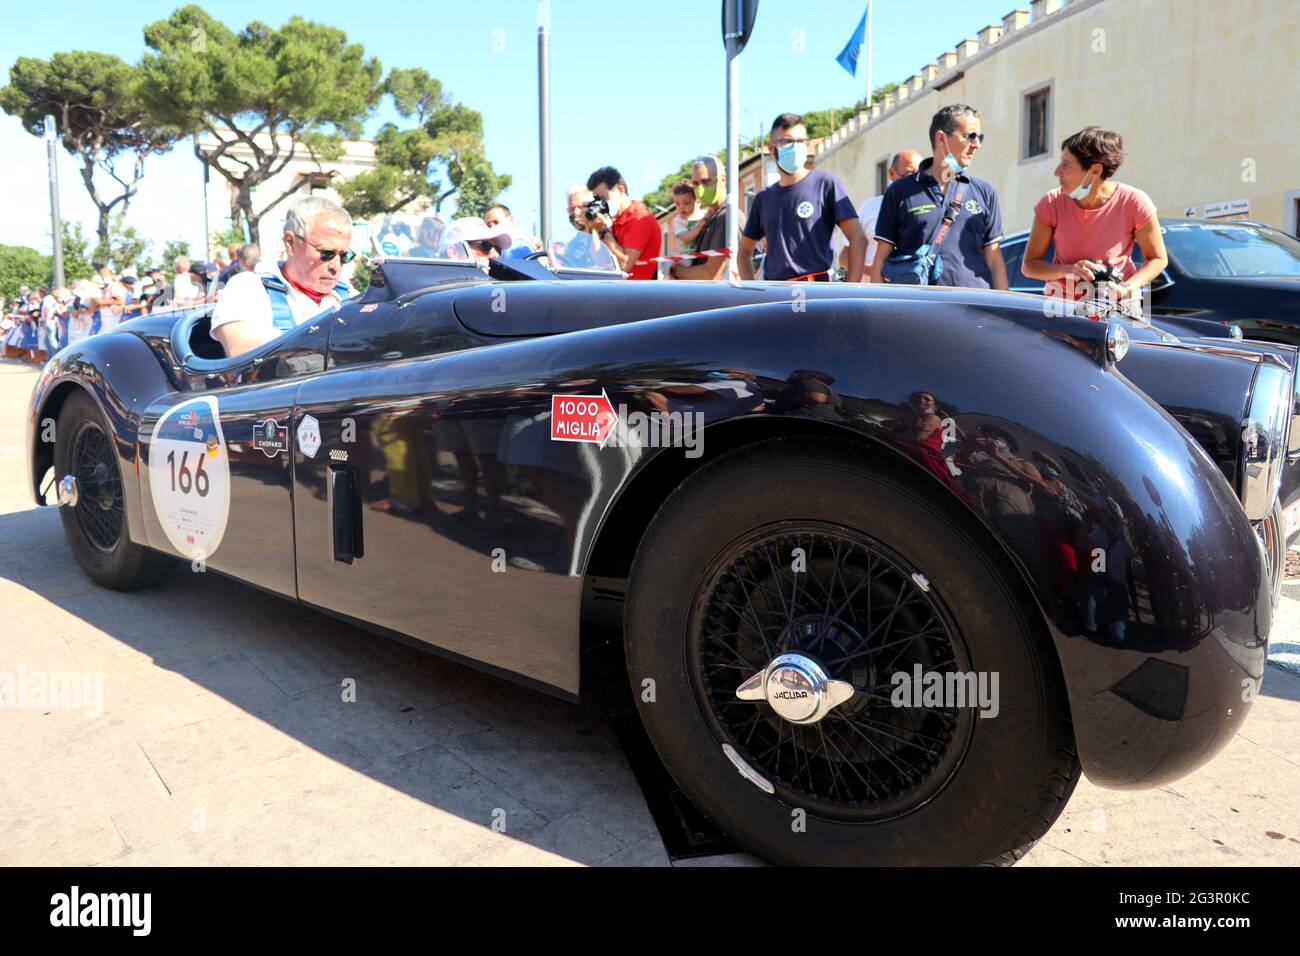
[
  {"x": 255, "y": 307},
  {"x": 914, "y": 207}
]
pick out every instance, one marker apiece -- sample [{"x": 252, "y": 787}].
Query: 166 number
[{"x": 198, "y": 480}]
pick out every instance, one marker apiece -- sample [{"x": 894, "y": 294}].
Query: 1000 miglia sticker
[{"x": 189, "y": 476}]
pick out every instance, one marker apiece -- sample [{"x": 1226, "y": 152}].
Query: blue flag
[{"x": 848, "y": 57}]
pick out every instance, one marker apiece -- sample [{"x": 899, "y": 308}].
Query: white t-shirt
[
  {"x": 183, "y": 289},
  {"x": 868, "y": 213},
  {"x": 111, "y": 315},
  {"x": 244, "y": 299}
]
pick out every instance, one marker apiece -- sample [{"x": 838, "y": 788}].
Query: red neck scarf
[{"x": 309, "y": 293}]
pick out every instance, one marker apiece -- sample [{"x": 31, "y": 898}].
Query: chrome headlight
[{"x": 1264, "y": 435}]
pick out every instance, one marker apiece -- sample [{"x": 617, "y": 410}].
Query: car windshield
[
  {"x": 579, "y": 250},
  {"x": 1231, "y": 250},
  {"x": 406, "y": 235}
]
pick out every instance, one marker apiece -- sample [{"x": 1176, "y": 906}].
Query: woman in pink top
[{"x": 1093, "y": 221}]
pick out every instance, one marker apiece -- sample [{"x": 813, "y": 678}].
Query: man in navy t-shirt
[
  {"x": 913, "y": 207},
  {"x": 798, "y": 215}
]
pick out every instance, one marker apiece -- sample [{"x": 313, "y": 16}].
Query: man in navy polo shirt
[
  {"x": 914, "y": 205},
  {"x": 798, "y": 215}
]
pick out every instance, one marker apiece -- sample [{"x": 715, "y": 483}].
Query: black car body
[{"x": 1052, "y": 457}]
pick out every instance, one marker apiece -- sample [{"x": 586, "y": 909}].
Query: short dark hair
[
  {"x": 606, "y": 176},
  {"x": 946, "y": 119},
  {"x": 1092, "y": 144},
  {"x": 498, "y": 205},
  {"x": 786, "y": 121},
  {"x": 683, "y": 187}
]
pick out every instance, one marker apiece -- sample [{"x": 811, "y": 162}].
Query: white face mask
[{"x": 1080, "y": 191}]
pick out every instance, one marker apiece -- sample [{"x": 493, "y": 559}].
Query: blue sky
[{"x": 633, "y": 84}]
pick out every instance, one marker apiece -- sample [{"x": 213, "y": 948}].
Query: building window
[
  {"x": 1037, "y": 123},
  {"x": 882, "y": 177}
]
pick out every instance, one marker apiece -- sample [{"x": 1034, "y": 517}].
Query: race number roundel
[{"x": 189, "y": 476}]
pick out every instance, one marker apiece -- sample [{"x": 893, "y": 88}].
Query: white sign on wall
[{"x": 1228, "y": 208}]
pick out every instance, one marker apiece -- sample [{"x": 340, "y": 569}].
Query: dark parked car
[
  {"x": 889, "y": 565},
  {"x": 1232, "y": 272}
]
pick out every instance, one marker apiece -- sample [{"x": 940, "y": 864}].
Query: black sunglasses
[
  {"x": 970, "y": 137},
  {"x": 346, "y": 256}
]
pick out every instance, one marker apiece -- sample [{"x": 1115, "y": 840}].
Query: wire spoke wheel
[
  {"x": 99, "y": 510},
  {"x": 864, "y": 614}
]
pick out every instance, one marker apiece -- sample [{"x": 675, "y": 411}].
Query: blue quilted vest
[{"x": 278, "y": 291}]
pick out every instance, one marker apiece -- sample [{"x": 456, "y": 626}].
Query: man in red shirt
[{"x": 630, "y": 232}]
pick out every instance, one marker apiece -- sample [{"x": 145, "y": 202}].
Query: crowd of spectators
[
  {"x": 40, "y": 321},
  {"x": 935, "y": 224}
]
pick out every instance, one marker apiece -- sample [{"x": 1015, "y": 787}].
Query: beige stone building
[{"x": 1204, "y": 92}]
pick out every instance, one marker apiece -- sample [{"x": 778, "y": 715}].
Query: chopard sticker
[
  {"x": 587, "y": 418},
  {"x": 270, "y": 437},
  {"x": 804, "y": 209},
  {"x": 309, "y": 436},
  {"x": 189, "y": 476}
]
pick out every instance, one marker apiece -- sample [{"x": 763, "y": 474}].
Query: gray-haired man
[{"x": 256, "y": 307}]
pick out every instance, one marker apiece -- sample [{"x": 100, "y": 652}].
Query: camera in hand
[
  {"x": 597, "y": 207},
  {"x": 1106, "y": 273}
]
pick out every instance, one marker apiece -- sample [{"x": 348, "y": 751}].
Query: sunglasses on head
[{"x": 345, "y": 255}]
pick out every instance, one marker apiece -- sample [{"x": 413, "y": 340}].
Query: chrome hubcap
[
  {"x": 68, "y": 492},
  {"x": 797, "y": 688}
]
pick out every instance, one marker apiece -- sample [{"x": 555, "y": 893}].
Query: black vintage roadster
[{"x": 889, "y": 566}]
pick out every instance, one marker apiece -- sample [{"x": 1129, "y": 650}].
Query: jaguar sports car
[{"x": 888, "y": 567}]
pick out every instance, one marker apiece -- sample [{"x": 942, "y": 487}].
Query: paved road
[{"x": 223, "y": 740}]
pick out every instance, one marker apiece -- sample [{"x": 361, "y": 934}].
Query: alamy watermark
[
  {"x": 659, "y": 430},
  {"x": 919, "y": 688},
  {"x": 70, "y": 690}
]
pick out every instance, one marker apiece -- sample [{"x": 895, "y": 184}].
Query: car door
[
  {"x": 395, "y": 451},
  {"x": 216, "y": 481},
  {"x": 214, "y": 458}
]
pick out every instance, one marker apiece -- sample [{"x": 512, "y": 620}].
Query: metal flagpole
[
  {"x": 544, "y": 111},
  {"x": 52, "y": 142},
  {"x": 870, "y": 94},
  {"x": 207, "y": 234},
  {"x": 732, "y": 29}
]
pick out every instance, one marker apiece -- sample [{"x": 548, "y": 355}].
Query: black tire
[
  {"x": 97, "y": 528},
  {"x": 981, "y": 790}
]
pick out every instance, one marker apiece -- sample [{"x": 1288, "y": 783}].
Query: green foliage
[
  {"x": 478, "y": 188},
  {"x": 124, "y": 247},
  {"x": 171, "y": 249},
  {"x": 361, "y": 274},
  {"x": 76, "y": 257},
  {"x": 440, "y": 156},
  {"x": 22, "y": 266},
  {"x": 99, "y": 114},
  {"x": 303, "y": 87},
  {"x": 219, "y": 242}
]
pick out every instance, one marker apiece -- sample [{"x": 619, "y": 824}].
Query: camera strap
[{"x": 950, "y": 214}]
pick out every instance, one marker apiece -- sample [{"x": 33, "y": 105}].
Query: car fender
[
  {"x": 1160, "y": 653},
  {"x": 123, "y": 376}
]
